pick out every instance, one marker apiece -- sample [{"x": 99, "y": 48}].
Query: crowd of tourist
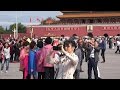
[{"x": 56, "y": 58}]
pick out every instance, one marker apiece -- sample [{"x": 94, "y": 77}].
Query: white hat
[{"x": 29, "y": 40}]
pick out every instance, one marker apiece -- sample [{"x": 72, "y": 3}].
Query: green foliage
[
  {"x": 21, "y": 28},
  {"x": 1, "y": 30}
]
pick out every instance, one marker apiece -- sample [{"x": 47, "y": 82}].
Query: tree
[
  {"x": 11, "y": 28},
  {"x": 1, "y": 30},
  {"x": 21, "y": 28},
  {"x": 6, "y": 29}
]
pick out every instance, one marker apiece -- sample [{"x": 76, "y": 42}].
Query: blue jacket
[
  {"x": 32, "y": 62},
  {"x": 103, "y": 45}
]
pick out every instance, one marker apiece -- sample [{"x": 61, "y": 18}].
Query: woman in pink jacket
[
  {"x": 40, "y": 67},
  {"x": 49, "y": 68},
  {"x": 24, "y": 59}
]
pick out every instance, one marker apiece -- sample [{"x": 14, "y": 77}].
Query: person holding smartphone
[
  {"x": 67, "y": 62},
  {"x": 92, "y": 58}
]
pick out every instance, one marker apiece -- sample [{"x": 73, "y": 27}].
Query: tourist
[
  {"x": 6, "y": 59},
  {"x": 118, "y": 45},
  {"x": 67, "y": 62},
  {"x": 32, "y": 61},
  {"x": 92, "y": 57},
  {"x": 40, "y": 67},
  {"x": 24, "y": 59},
  {"x": 49, "y": 68},
  {"x": 103, "y": 48}
]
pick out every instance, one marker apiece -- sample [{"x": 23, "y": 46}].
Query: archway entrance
[
  {"x": 90, "y": 34},
  {"x": 106, "y": 35}
]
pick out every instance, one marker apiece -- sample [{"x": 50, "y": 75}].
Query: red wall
[
  {"x": 110, "y": 30},
  {"x": 42, "y": 31},
  {"x": 80, "y": 31}
]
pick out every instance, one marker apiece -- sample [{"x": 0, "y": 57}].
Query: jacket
[
  {"x": 40, "y": 66},
  {"x": 66, "y": 65},
  {"x": 45, "y": 51},
  {"x": 103, "y": 45},
  {"x": 32, "y": 62},
  {"x": 96, "y": 53},
  {"x": 21, "y": 58},
  {"x": 25, "y": 66}
]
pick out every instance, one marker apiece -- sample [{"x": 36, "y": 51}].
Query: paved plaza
[{"x": 108, "y": 70}]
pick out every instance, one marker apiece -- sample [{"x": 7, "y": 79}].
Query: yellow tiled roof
[{"x": 83, "y": 15}]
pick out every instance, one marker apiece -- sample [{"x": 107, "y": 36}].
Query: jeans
[
  {"x": 92, "y": 65},
  {"x": 16, "y": 57},
  {"x": 7, "y": 63},
  {"x": 41, "y": 75},
  {"x": 49, "y": 72},
  {"x": 33, "y": 75},
  {"x": 103, "y": 54},
  {"x": 77, "y": 74},
  {"x": 118, "y": 49}
]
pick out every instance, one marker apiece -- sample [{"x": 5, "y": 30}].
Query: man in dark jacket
[
  {"x": 103, "y": 48},
  {"x": 16, "y": 51},
  {"x": 92, "y": 57}
]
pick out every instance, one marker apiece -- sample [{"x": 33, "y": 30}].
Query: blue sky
[{"x": 9, "y": 17}]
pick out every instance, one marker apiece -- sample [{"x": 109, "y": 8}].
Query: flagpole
[
  {"x": 16, "y": 26},
  {"x": 14, "y": 32},
  {"x": 31, "y": 30}
]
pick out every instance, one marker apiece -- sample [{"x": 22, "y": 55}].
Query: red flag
[
  {"x": 38, "y": 19},
  {"x": 30, "y": 20}
]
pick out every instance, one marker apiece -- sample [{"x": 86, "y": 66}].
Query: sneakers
[
  {"x": 1, "y": 71},
  {"x": 6, "y": 71},
  {"x": 103, "y": 62},
  {"x": 99, "y": 78}
]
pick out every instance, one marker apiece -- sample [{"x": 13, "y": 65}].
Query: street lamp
[
  {"x": 16, "y": 36},
  {"x": 31, "y": 32},
  {"x": 14, "y": 31}
]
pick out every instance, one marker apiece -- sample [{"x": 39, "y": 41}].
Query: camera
[{"x": 57, "y": 48}]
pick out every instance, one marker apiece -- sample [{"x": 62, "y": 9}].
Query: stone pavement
[{"x": 108, "y": 70}]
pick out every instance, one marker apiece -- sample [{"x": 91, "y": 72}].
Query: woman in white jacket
[
  {"x": 6, "y": 60},
  {"x": 67, "y": 63}
]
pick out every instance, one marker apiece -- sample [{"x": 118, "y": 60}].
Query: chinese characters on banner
[
  {"x": 111, "y": 28},
  {"x": 62, "y": 28}
]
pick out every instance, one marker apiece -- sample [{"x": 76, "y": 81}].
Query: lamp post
[
  {"x": 14, "y": 31},
  {"x": 31, "y": 32},
  {"x": 16, "y": 35}
]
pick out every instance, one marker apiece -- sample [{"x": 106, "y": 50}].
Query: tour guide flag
[{"x": 30, "y": 19}]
